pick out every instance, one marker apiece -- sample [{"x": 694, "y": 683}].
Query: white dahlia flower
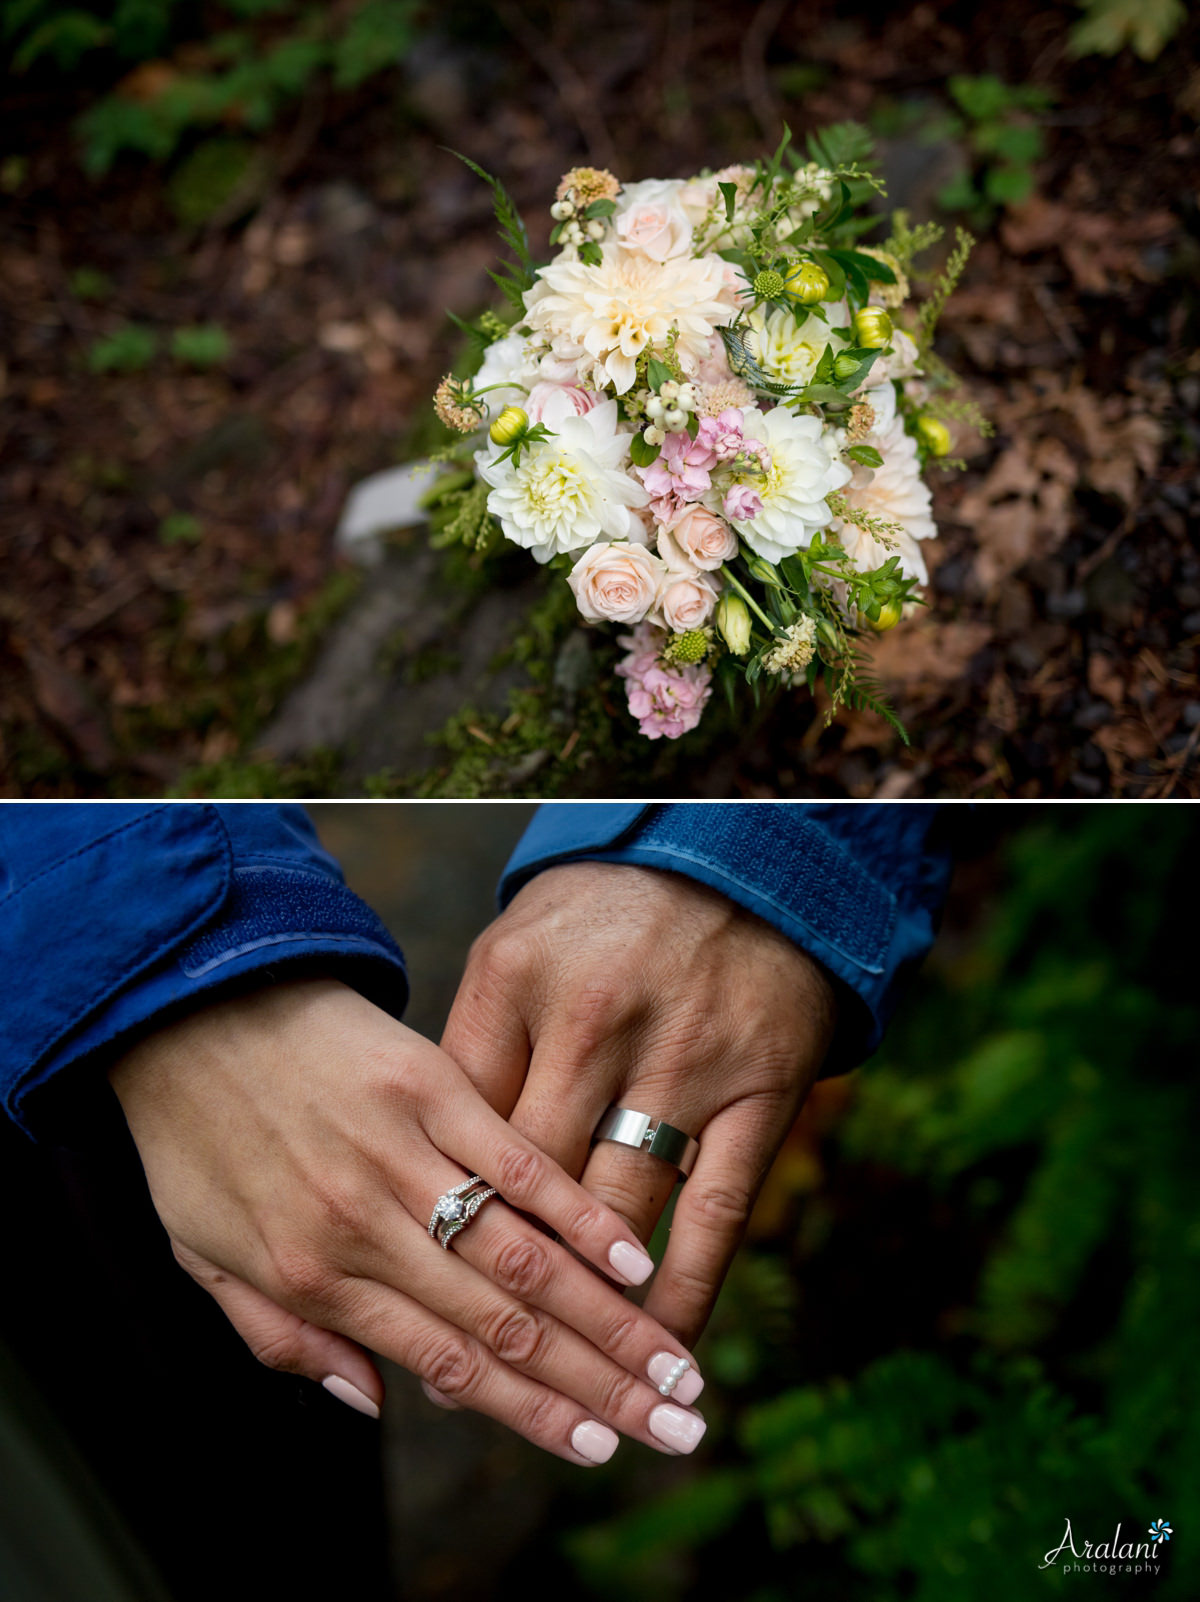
[
  {"x": 628, "y": 303},
  {"x": 895, "y": 492},
  {"x": 788, "y": 350},
  {"x": 802, "y": 473},
  {"x": 568, "y": 491}
]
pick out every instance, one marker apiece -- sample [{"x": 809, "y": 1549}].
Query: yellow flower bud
[
  {"x": 808, "y": 283},
  {"x": 934, "y": 435},
  {"x": 733, "y": 620},
  {"x": 872, "y": 328},
  {"x": 889, "y": 616},
  {"x": 509, "y": 426}
]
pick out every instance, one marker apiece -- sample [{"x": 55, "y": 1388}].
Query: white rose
[
  {"x": 650, "y": 218},
  {"x": 617, "y": 582}
]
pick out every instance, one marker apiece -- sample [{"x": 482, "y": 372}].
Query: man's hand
[
  {"x": 295, "y": 1142},
  {"x": 605, "y": 983}
]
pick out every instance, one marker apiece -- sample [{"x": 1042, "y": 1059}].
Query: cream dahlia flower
[
  {"x": 895, "y": 492},
  {"x": 802, "y": 473},
  {"x": 627, "y": 304},
  {"x": 788, "y": 350},
  {"x": 568, "y": 491}
]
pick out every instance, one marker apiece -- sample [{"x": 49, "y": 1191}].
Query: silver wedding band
[{"x": 644, "y": 1133}]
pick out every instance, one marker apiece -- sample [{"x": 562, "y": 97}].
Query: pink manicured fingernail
[
  {"x": 631, "y": 1262},
  {"x": 675, "y": 1376},
  {"x": 594, "y": 1441},
  {"x": 437, "y": 1398},
  {"x": 350, "y": 1394},
  {"x": 673, "y": 1427}
]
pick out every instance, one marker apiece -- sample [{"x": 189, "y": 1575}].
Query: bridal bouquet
[{"x": 712, "y": 413}]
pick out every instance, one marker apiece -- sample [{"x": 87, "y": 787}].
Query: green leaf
[
  {"x": 867, "y": 455},
  {"x": 641, "y": 454},
  {"x": 180, "y": 528},
  {"x": 981, "y": 98},
  {"x": 870, "y": 266},
  {"x": 378, "y": 36},
  {"x": 601, "y": 208},
  {"x": 1018, "y": 142},
  {"x": 657, "y": 373},
  {"x": 730, "y": 193},
  {"x": 590, "y": 253},
  {"x": 959, "y": 194},
  {"x": 66, "y": 39},
  {"x": 842, "y": 144},
  {"x": 203, "y": 346},
  {"x": 1145, "y": 26},
  {"x": 1008, "y": 185},
  {"x": 128, "y": 350}
]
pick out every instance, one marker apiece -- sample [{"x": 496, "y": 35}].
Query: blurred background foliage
[{"x": 969, "y": 1303}]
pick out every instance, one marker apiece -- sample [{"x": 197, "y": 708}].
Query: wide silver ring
[
  {"x": 645, "y": 1133},
  {"x": 455, "y": 1209}
]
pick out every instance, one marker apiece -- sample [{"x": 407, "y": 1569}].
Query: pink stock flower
[
  {"x": 678, "y": 476},
  {"x": 666, "y": 701},
  {"x": 723, "y": 435},
  {"x": 743, "y": 503}
]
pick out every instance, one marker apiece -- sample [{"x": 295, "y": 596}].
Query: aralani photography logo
[{"x": 1109, "y": 1557}]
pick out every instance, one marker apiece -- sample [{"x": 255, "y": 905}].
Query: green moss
[{"x": 237, "y": 779}]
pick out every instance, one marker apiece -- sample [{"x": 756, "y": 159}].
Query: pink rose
[
  {"x": 551, "y": 403},
  {"x": 698, "y": 538},
  {"x": 650, "y": 219},
  {"x": 617, "y": 582},
  {"x": 687, "y": 601},
  {"x": 742, "y": 504}
]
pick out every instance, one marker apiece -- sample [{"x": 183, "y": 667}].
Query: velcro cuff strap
[{"x": 173, "y": 865}]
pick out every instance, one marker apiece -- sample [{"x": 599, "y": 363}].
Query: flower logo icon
[{"x": 1160, "y": 1530}]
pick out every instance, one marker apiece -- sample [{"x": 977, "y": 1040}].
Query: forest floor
[{"x": 170, "y": 567}]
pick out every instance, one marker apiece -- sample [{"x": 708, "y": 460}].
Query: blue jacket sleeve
[
  {"x": 116, "y": 917},
  {"x": 858, "y": 886}
]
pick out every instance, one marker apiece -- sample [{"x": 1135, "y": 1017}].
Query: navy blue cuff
[
  {"x": 227, "y": 924},
  {"x": 855, "y": 888}
]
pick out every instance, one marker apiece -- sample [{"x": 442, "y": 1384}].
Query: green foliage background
[{"x": 984, "y": 1321}]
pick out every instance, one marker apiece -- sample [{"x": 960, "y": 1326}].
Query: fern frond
[{"x": 517, "y": 276}]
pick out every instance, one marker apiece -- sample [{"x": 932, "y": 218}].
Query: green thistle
[
  {"x": 769, "y": 285},
  {"x": 683, "y": 649}
]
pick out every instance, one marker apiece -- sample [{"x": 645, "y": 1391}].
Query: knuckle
[
  {"x": 541, "y": 1415},
  {"x": 518, "y": 1337},
  {"x": 451, "y": 1364},
  {"x": 596, "y": 1008},
  {"x": 724, "y": 1204},
  {"x": 341, "y": 1210},
  {"x": 279, "y": 1350},
  {"x": 300, "y": 1276},
  {"x": 618, "y": 1393},
  {"x": 522, "y": 1267},
  {"x": 585, "y": 1219},
  {"x": 518, "y": 1172},
  {"x": 620, "y": 1333}
]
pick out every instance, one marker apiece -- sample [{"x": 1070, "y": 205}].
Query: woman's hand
[
  {"x": 605, "y": 983},
  {"x": 295, "y": 1142}
]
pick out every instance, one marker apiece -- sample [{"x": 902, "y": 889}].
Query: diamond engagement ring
[
  {"x": 644, "y": 1133},
  {"x": 453, "y": 1211}
]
